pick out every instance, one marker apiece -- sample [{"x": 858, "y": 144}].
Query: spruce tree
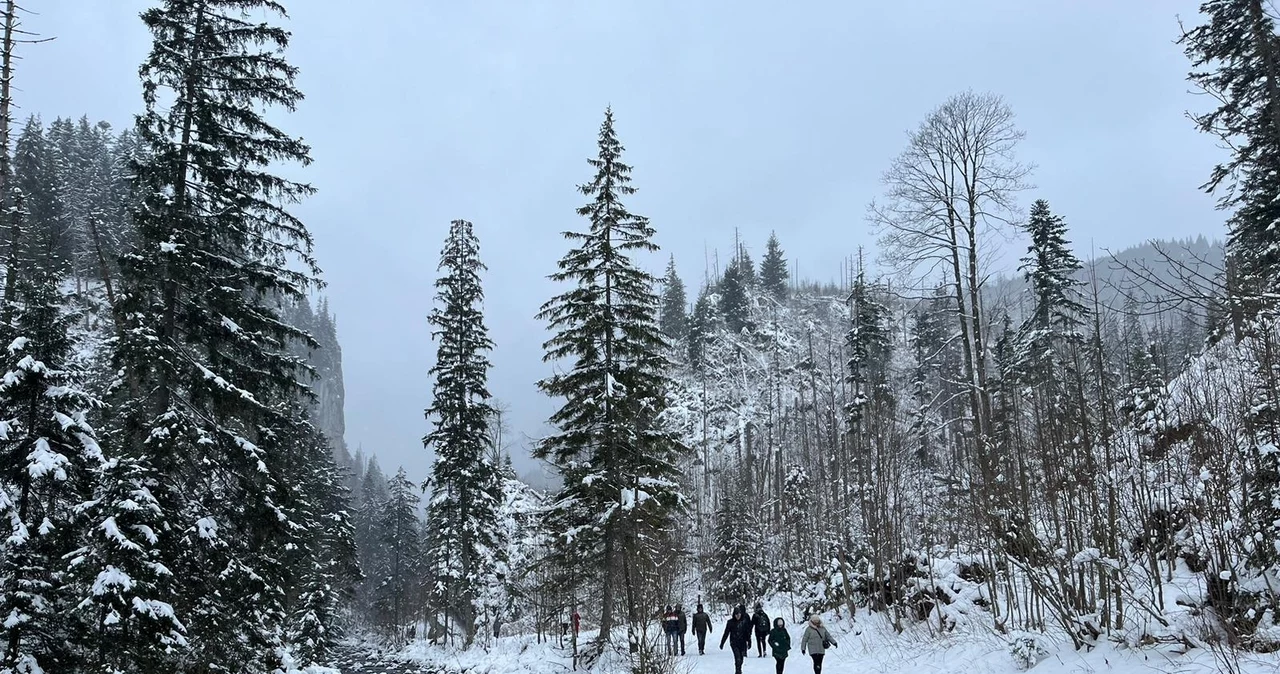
[
  {"x": 927, "y": 341},
  {"x": 208, "y": 385},
  {"x": 735, "y": 300},
  {"x": 1144, "y": 404},
  {"x": 774, "y": 276},
  {"x": 736, "y": 560},
  {"x": 371, "y": 502},
  {"x": 868, "y": 345},
  {"x": 48, "y": 455},
  {"x": 674, "y": 318},
  {"x": 319, "y": 570},
  {"x": 396, "y": 598},
  {"x": 39, "y": 177},
  {"x": 702, "y": 326},
  {"x": 1235, "y": 58},
  {"x": 746, "y": 268},
  {"x": 1058, "y": 310},
  {"x": 462, "y": 547},
  {"x": 619, "y": 496}
]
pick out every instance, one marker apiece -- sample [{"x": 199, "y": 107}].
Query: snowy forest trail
[{"x": 870, "y": 648}]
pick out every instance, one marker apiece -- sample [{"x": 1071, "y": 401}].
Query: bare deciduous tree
[{"x": 949, "y": 192}]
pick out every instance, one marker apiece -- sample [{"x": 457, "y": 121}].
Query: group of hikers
[{"x": 738, "y": 632}]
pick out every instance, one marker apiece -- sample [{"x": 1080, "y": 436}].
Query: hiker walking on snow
[
  {"x": 738, "y": 632},
  {"x": 682, "y": 626},
  {"x": 815, "y": 641},
  {"x": 780, "y": 642},
  {"x": 670, "y": 625},
  {"x": 760, "y": 620},
  {"x": 701, "y": 625}
]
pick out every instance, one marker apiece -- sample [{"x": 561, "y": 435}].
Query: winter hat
[{"x": 816, "y": 620}]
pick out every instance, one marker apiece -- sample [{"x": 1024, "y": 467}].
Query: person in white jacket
[{"x": 815, "y": 641}]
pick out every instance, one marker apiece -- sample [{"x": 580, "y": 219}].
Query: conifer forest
[{"x": 977, "y": 444}]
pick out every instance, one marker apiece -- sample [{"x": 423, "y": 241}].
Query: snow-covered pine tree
[
  {"x": 100, "y": 218},
  {"x": 738, "y": 573},
  {"x": 38, "y": 177},
  {"x": 1058, "y": 309},
  {"x": 518, "y": 521},
  {"x": 1006, "y": 386},
  {"x": 620, "y": 492},
  {"x": 674, "y": 316},
  {"x": 799, "y": 542},
  {"x": 774, "y": 276},
  {"x": 48, "y": 455},
  {"x": 463, "y": 547},
  {"x": 396, "y": 597},
  {"x": 702, "y": 325},
  {"x": 927, "y": 341},
  {"x": 1144, "y": 403},
  {"x": 370, "y": 502},
  {"x": 746, "y": 267},
  {"x": 867, "y": 344},
  {"x": 1234, "y": 59},
  {"x": 735, "y": 301},
  {"x": 320, "y": 570},
  {"x": 125, "y": 615},
  {"x": 208, "y": 387}
]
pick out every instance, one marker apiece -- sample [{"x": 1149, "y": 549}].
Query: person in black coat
[
  {"x": 701, "y": 625},
  {"x": 738, "y": 633},
  {"x": 760, "y": 620}
]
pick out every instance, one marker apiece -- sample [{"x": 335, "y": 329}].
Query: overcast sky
[{"x": 747, "y": 114}]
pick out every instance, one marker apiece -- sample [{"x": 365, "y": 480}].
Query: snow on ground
[{"x": 869, "y": 646}]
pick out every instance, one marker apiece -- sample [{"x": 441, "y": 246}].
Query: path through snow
[{"x": 868, "y": 648}]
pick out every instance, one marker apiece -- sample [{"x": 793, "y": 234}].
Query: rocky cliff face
[{"x": 327, "y": 413}]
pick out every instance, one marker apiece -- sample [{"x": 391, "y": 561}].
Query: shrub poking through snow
[{"x": 1027, "y": 649}]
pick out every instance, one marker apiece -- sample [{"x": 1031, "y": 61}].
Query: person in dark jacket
[
  {"x": 780, "y": 642},
  {"x": 701, "y": 625},
  {"x": 760, "y": 620},
  {"x": 738, "y": 633},
  {"x": 682, "y": 625},
  {"x": 670, "y": 623}
]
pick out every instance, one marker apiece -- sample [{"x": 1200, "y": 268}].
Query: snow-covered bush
[{"x": 1027, "y": 649}]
